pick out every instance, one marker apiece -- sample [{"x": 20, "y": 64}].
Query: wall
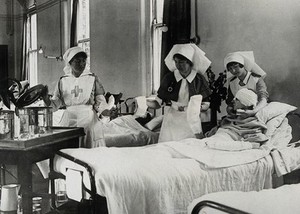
[
  {"x": 48, "y": 36},
  {"x": 271, "y": 28},
  {"x": 119, "y": 45},
  {"x": 118, "y": 40},
  {"x": 10, "y": 34}
]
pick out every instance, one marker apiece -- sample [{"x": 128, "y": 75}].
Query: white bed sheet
[
  {"x": 156, "y": 179},
  {"x": 284, "y": 199}
]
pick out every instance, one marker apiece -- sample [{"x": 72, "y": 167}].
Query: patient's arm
[{"x": 153, "y": 104}]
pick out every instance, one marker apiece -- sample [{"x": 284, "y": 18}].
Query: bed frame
[
  {"x": 97, "y": 204},
  {"x": 215, "y": 206}
]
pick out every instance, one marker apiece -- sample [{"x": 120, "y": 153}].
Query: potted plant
[{"x": 219, "y": 93}]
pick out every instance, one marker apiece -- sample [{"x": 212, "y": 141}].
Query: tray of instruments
[{"x": 55, "y": 135}]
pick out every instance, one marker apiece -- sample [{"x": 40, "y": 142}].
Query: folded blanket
[{"x": 212, "y": 158}]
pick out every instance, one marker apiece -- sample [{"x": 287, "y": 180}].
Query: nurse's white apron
[
  {"x": 84, "y": 116},
  {"x": 175, "y": 126},
  {"x": 77, "y": 92},
  {"x": 179, "y": 125}
]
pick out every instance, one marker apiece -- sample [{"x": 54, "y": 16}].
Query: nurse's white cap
[
  {"x": 234, "y": 57},
  {"x": 71, "y": 52},
  {"x": 192, "y": 52},
  {"x": 185, "y": 50}
]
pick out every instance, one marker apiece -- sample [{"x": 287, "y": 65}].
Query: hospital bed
[
  {"x": 159, "y": 179},
  {"x": 123, "y": 130},
  {"x": 284, "y": 199}
]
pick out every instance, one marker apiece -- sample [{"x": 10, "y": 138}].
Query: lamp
[{"x": 42, "y": 51}]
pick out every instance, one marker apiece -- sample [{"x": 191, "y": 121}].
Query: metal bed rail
[
  {"x": 94, "y": 198},
  {"x": 216, "y": 206}
]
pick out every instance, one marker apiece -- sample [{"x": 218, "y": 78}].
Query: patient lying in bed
[{"x": 123, "y": 131}]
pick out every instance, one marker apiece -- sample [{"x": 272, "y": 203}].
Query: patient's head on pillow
[{"x": 245, "y": 99}]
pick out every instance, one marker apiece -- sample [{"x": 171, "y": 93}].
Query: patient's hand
[
  {"x": 111, "y": 113},
  {"x": 106, "y": 113}
]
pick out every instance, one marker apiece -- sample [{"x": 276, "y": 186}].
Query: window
[
  {"x": 83, "y": 25},
  {"x": 157, "y": 29},
  {"x": 32, "y": 49}
]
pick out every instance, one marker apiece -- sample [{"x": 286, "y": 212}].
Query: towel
[
  {"x": 74, "y": 179},
  {"x": 193, "y": 113},
  {"x": 141, "y": 106}
]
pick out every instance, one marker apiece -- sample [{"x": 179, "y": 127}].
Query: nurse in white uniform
[{"x": 81, "y": 92}]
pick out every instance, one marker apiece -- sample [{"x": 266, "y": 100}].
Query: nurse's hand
[
  {"x": 230, "y": 110},
  {"x": 205, "y": 106}
]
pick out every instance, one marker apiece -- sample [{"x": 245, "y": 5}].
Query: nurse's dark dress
[{"x": 175, "y": 124}]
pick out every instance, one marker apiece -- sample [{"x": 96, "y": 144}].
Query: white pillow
[
  {"x": 282, "y": 134},
  {"x": 273, "y": 124},
  {"x": 274, "y": 109}
]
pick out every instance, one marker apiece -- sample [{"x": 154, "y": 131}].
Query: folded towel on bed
[
  {"x": 74, "y": 179},
  {"x": 286, "y": 160}
]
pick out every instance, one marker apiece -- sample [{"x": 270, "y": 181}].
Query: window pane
[
  {"x": 32, "y": 50},
  {"x": 156, "y": 43},
  {"x": 83, "y": 27},
  {"x": 83, "y": 20}
]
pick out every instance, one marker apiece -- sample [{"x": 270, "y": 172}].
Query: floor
[{"x": 41, "y": 188}]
